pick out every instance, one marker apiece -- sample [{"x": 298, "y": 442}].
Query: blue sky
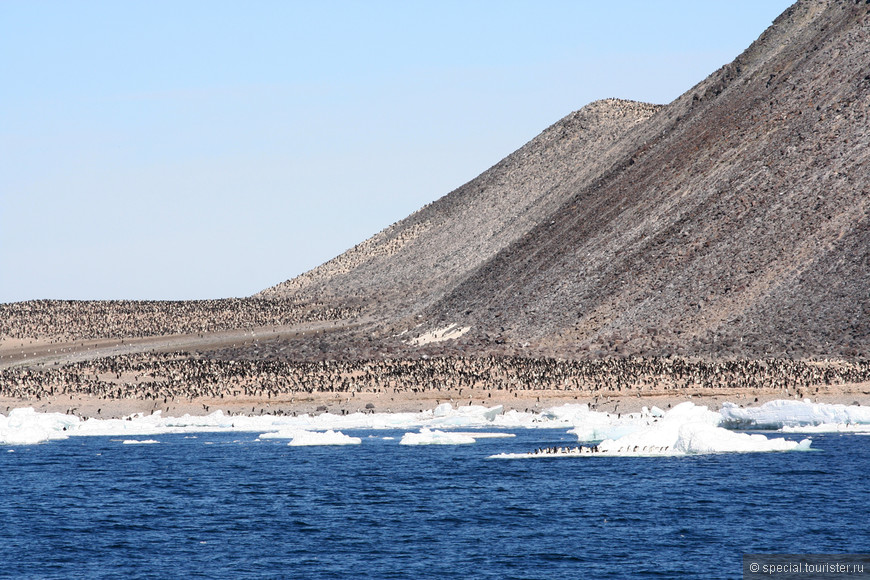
[{"x": 180, "y": 150}]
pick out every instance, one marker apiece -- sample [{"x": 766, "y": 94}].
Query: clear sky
[{"x": 209, "y": 149}]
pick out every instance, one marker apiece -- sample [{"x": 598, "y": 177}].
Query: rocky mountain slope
[
  {"x": 731, "y": 222},
  {"x": 414, "y": 261}
]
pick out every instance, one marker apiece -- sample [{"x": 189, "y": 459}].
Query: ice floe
[
  {"x": 139, "y": 441},
  {"x": 301, "y": 438},
  {"x": 435, "y": 437},
  {"x": 693, "y": 438},
  {"x": 686, "y": 428},
  {"x": 828, "y": 428},
  {"x": 27, "y": 427},
  {"x": 485, "y": 434},
  {"x": 785, "y": 413},
  {"x": 690, "y": 429},
  {"x": 597, "y": 426}
]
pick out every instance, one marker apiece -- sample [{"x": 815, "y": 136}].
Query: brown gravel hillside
[
  {"x": 732, "y": 222},
  {"x": 737, "y": 227},
  {"x": 420, "y": 258}
]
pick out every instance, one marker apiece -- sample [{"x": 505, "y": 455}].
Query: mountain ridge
[
  {"x": 700, "y": 229},
  {"x": 498, "y": 205}
]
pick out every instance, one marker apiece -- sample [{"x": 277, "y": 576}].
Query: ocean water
[{"x": 227, "y": 505}]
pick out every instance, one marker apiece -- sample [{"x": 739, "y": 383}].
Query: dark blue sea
[{"x": 226, "y": 505}]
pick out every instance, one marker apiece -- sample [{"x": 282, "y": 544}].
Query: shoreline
[{"x": 398, "y": 401}]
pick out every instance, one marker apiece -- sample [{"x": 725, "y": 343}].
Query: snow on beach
[{"x": 687, "y": 428}]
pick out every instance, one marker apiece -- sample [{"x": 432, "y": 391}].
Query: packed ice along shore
[
  {"x": 684, "y": 430},
  {"x": 687, "y": 428}
]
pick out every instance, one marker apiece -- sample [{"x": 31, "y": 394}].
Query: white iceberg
[
  {"x": 786, "y": 413},
  {"x": 597, "y": 426},
  {"x": 27, "y": 427},
  {"x": 435, "y": 437},
  {"x": 330, "y": 437},
  {"x": 302, "y": 438},
  {"x": 700, "y": 438},
  {"x": 690, "y": 429}
]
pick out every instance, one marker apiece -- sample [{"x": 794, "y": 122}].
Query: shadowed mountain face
[{"x": 731, "y": 222}]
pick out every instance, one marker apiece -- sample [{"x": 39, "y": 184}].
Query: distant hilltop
[
  {"x": 420, "y": 258},
  {"x": 731, "y": 222}
]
